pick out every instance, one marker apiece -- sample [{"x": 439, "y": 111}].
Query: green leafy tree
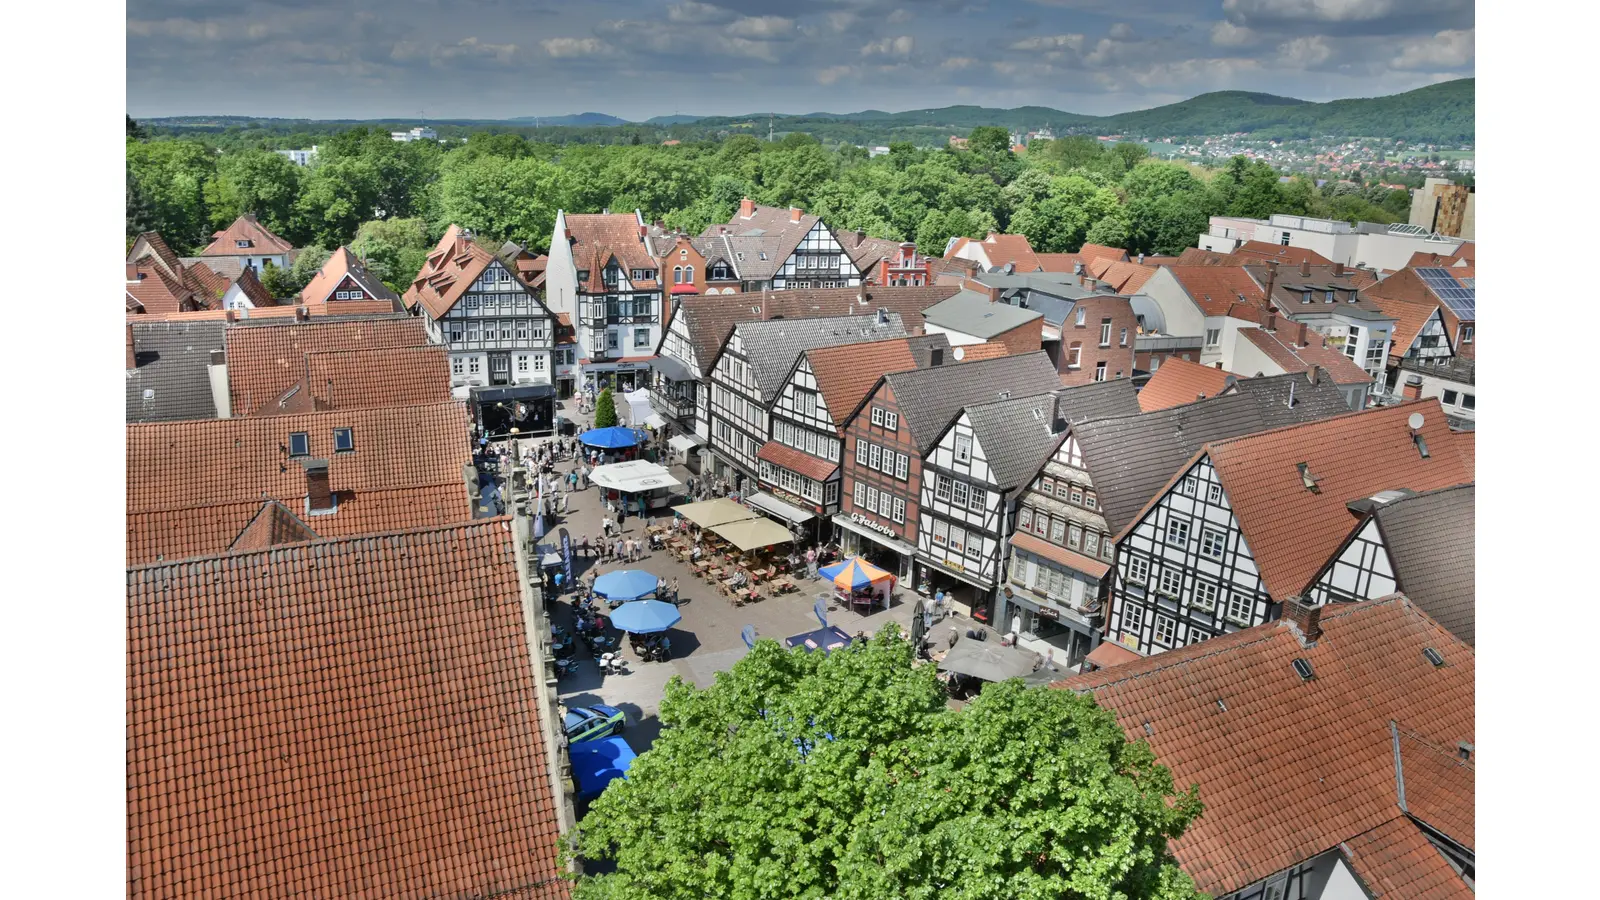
[
  {"x": 1165, "y": 224},
  {"x": 254, "y": 181},
  {"x": 1111, "y": 231},
  {"x": 605, "y": 410},
  {"x": 338, "y": 195},
  {"x": 938, "y": 227},
  {"x": 135, "y": 130},
  {"x": 504, "y": 199},
  {"x": 790, "y": 176},
  {"x": 775, "y": 782},
  {"x": 989, "y": 138},
  {"x": 393, "y": 249},
  {"x": 655, "y": 183},
  {"x": 170, "y": 178}
]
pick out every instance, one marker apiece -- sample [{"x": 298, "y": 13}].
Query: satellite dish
[
  {"x": 1415, "y": 421},
  {"x": 959, "y": 353}
]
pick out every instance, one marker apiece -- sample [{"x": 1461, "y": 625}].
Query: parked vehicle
[{"x": 591, "y": 723}]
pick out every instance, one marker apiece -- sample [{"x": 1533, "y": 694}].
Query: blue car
[{"x": 591, "y": 723}]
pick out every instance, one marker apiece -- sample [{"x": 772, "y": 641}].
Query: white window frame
[
  {"x": 940, "y": 534},
  {"x": 1177, "y": 532},
  {"x": 1165, "y": 632},
  {"x": 1232, "y": 601},
  {"x": 1213, "y": 493},
  {"x": 902, "y": 466},
  {"x": 1213, "y": 540},
  {"x": 941, "y": 487},
  {"x": 960, "y": 492},
  {"x": 875, "y": 456},
  {"x": 1133, "y": 619},
  {"x": 899, "y": 510},
  {"x": 1138, "y": 570},
  {"x": 860, "y": 496},
  {"x": 1105, "y": 332},
  {"x": 1205, "y": 595},
  {"x": 1213, "y": 337},
  {"x": 861, "y": 452},
  {"x": 891, "y": 421},
  {"x": 1170, "y": 582},
  {"x": 1100, "y": 370},
  {"x": 963, "y": 447},
  {"x": 877, "y": 416}
]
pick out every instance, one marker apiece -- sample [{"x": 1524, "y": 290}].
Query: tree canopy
[
  {"x": 845, "y": 775},
  {"x": 605, "y": 409}
]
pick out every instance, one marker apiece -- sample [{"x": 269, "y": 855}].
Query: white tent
[
  {"x": 633, "y": 477},
  {"x": 634, "y": 410}
]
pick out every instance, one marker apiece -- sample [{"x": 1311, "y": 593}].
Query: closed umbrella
[
  {"x": 646, "y": 617},
  {"x": 989, "y": 662}
]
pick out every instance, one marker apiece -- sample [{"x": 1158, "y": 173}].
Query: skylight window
[
  {"x": 344, "y": 440},
  {"x": 299, "y": 444}
]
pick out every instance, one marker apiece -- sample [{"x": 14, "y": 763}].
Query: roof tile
[
  {"x": 246, "y": 228},
  {"x": 1179, "y": 381}
]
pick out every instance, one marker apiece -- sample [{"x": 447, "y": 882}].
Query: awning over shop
[
  {"x": 519, "y": 392},
  {"x": 753, "y": 534},
  {"x": 654, "y": 421},
  {"x": 710, "y": 513},
  {"x": 1110, "y": 654},
  {"x": 633, "y": 477},
  {"x": 1077, "y": 562},
  {"x": 787, "y": 512},
  {"x": 683, "y": 443},
  {"x": 673, "y": 368},
  {"x": 878, "y": 537}
]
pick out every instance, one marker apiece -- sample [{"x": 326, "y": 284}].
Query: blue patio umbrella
[
  {"x": 596, "y": 764},
  {"x": 613, "y": 438},
  {"x": 645, "y": 617},
  {"x": 825, "y": 639},
  {"x": 625, "y": 584}
]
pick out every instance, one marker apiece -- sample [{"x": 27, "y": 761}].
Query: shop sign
[
  {"x": 863, "y": 521},
  {"x": 949, "y": 564},
  {"x": 1048, "y": 612},
  {"x": 1130, "y": 641},
  {"x": 791, "y": 499}
]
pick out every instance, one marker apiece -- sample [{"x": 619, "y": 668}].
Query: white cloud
[
  {"x": 1334, "y": 10},
  {"x": 832, "y": 74},
  {"x": 737, "y": 46},
  {"x": 1304, "y": 52},
  {"x": 1227, "y": 34},
  {"x": 472, "y": 48},
  {"x": 569, "y": 48},
  {"x": 762, "y": 28},
  {"x": 1121, "y": 31},
  {"x": 895, "y": 46},
  {"x": 958, "y": 62},
  {"x": 842, "y": 21},
  {"x": 1445, "y": 50},
  {"x": 1051, "y": 42},
  {"x": 180, "y": 29},
  {"x": 1193, "y": 76},
  {"x": 692, "y": 13},
  {"x": 900, "y": 17}
]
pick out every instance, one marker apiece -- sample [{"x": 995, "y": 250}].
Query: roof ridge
[
  {"x": 1282, "y": 428},
  {"x": 302, "y": 545},
  {"x": 287, "y": 416}
]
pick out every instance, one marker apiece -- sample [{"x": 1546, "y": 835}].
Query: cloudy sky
[{"x": 640, "y": 58}]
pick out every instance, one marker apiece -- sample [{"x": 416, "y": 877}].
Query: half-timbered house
[
  {"x": 500, "y": 334},
  {"x": 782, "y": 249},
  {"x": 601, "y": 273},
  {"x": 801, "y": 463},
  {"x": 1253, "y": 521},
  {"x": 750, "y": 369},
  {"x": 890, "y": 433},
  {"x": 344, "y": 283}
]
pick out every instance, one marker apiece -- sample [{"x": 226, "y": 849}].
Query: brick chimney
[
  {"x": 1305, "y": 268},
  {"x": 1272, "y": 277},
  {"x": 319, "y": 495},
  {"x": 132, "y": 362},
  {"x": 1338, "y": 270},
  {"x": 795, "y": 213},
  {"x": 1305, "y": 619},
  {"x": 231, "y": 316},
  {"x": 1412, "y": 390},
  {"x": 747, "y": 208},
  {"x": 1272, "y": 321},
  {"x": 1315, "y": 374},
  {"x": 1300, "y": 334},
  {"x": 992, "y": 290},
  {"x": 302, "y": 314}
]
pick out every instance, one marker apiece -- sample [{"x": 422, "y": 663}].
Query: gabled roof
[
  {"x": 1409, "y": 316},
  {"x": 356, "y": 717},
  {"x": 252, "y": 288},
  {"x": 1058, "y": 262},
  {"x": 1126, "y": 277},
  {"x": 368, "y": 378},
  {"x": 866, "y": 251},
  {"x": 1293, "y": 531},
  {"x": 1016, "y": 436},
  {"x": 1100, "y": 251},
  {"x": 1289, "y": 288},
  {"x": 970, "y": 312},
  {"x": 1132, "y": 457},
  {"x": 266, "y": 358},
  {"x": 1261, "y": 251},
  {"x": 1430, "y": 537},
  {"x": 247, "y": 227},
  {"x": 1179, "y": 381},
  {"x": 1290, "y": 358},
  {"x": 340, "y": 264},
  {"x": 194, "y": 486},
  {"x": 929, "y": 399},
  {"x": 1001, "y": 249},
  {"x": 151, "y": 244},
  {"x": 773, "y": 346},
  {"x": 455, "y": 263},
  {"x": 1288, "y": 769},
  {"x": 975, "y": 352},
  {"x": 1396, "y": 859},
  {"x": 1098, "y": 400},
  {"x": 1215, "y": 288},
  {"x": 846, "y": 374},
  {"x": 1194, "y": 256},
  {"x": 598, "y": 238},
  {"x": 153, "y": 291},
  {"x": 273, "y": 525},
  {"x": 171, "y": 360}
]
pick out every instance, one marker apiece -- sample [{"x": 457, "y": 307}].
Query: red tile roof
[
  {"x": 1126, "y": 277},
  {"x": 1438, "y": 785},
  {"x": 1289, "y": 768},
  {"x": 1404, "y": 298},
  {"x": 794, "y": 460},
  {"x": 343, "y": 264},
  {"x": 1291, "y": 531},
  {"x": 246, "y": 228},
  {"x": 1467, "y": 443},
  {"x": 1178, "y": 382},
  {"x": 1100, "y": 251},
  {"x": 1111, "y": 653},
  {"x": 275, "y": 524},
  {"x": 355, "y": 718},
  {"x": 598, "y": 237},
  {"x": 1261, "y": 251},
  {"x": 368, "y": 378},
  {"x": 265, "y": 360},
  {"x": 846, "y": 374},
  {"x": 1215, "y": 288},
  {"x": 1300, "y": 359},
  {"x": 155, "y": 292},
  {"x": 985, "y": 350},
  {"x": 1396, "y": 860},
  {"x": 455, "y": 263},
  {"x": 1058, "y": 262},
  {"x": 1088, "y": 565},
  {"x": 1194, "y": 256},
  {"x": 194, "y": 486},
  {"x": 1003, "y": 248}
]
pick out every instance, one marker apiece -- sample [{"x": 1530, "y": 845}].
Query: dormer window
[
  {"x": 242, "y": 245},
  {"x": 299, "y": 444},
  {"x": 1329, "y": 298},
  {"x": 583, "y": 275},
  {"x": 612, "y": 276},
  {"x": 1305, "y": 297}
]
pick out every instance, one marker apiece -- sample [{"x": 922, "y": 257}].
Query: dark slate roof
[
  {"x": 1098, "y": 400},
  {"x": 970, "y": 312},
  {"x": 929, "y": 399},
  {"x": 172, "y": 359},
  {"x": 1130, "y": 458},
  {"x": 1430, "y": 541},
  {"x": 772, "y": 347},
  {"x": 1015, "y": 435}
]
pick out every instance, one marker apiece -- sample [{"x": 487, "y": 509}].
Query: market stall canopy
[
  {"x": 596, "y": 764},
  {"x": 853, "y": 573},
  {"x": 633, "y": 477},
  {"x": 645, "y": 617},
  {"x": 710, "y": 513},
  {"x": 625, "y": 584},
  {"x": 753, "y": 534},
  {"x": 988, "y": 661},
  {"x": 1110, "y": 654},
  {"x": 684, "y": 442},
  {"x": 613, "y": 438},
  {"x": 825, "y": 639}
]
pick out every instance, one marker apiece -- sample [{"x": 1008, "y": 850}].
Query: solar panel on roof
[{"x": 1462, "y": 299}]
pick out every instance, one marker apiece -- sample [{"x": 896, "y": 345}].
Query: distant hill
[
  {"x": 671, "y": 120},
  {"x": 588, "y": 118},
  {"x": 1437, "y": 113}
]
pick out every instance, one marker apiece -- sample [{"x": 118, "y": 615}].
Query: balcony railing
[{"x": 672, "y": 405}]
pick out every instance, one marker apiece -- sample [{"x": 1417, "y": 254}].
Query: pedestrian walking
[
  {"x": 674, "y": 590},
  {"x": 622, "y": 515},
  {"x": 617, "y": 548},
  {"x": 811, "y": 562},
  {"x": 583, "y": 545},
  {"x": 605, "y": 526}
]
